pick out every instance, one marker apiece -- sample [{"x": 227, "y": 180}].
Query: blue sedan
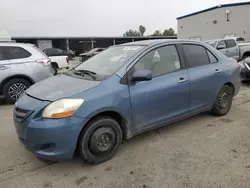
[{"x": 123, "y": 91}]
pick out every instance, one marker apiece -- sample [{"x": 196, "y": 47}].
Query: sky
[{"x": 52, "y": 18}]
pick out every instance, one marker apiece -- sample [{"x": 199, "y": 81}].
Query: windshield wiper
[
  {"x": 87, "y": 72},
  {"x": 77, "y": 72}
]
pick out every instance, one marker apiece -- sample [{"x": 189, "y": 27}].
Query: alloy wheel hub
[{"x": 16, "y": 90}]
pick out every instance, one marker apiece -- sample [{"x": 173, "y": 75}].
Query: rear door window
[
  {"x": 15, "y": 52},
  {"x": 212, "y": 58},
  {"x": 230, "y": 43},
  {"x": 195, "y": 55},
  {"x": 2, "y": 55}
]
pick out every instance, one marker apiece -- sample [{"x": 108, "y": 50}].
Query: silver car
[
  {"x": 228, "y": 47},
  {"x": 21, "y": 65}
]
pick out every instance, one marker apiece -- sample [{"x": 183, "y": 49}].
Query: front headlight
[{"x": 62, "y": 108}]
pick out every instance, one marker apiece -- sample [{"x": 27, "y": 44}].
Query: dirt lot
[{"x": 203, "y": 151}]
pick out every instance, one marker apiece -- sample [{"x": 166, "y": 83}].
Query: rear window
[
  {"x": 230, "y": 43},
  {"x": 196, "y": 55},
  {"x": 15, "y": 52},
  {"x": 38, "y": 49},
  {"x": 2, "y": 55}
]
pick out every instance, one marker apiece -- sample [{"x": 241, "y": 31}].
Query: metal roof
[
  {"x": 215, "y": 7},
  {"x": 97, "y": 37},
  {"x": 156, "y": 41}
]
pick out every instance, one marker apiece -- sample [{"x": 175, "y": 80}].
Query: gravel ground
[{"x": 202, "y": 151}]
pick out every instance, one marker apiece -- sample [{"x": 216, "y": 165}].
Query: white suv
[{"x": 21, "y": 65}]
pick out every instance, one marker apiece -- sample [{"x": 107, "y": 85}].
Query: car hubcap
[
  {"x": 224, "y": 99},
  {"x": 102, "y": 140},
  {"x": 16, "y": 90}
]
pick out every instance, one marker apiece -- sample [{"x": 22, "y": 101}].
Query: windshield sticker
[
  {"x": 131, "y": 48},
  {"x": 177, "y": 64}
]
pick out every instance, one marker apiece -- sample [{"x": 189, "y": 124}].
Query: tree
[
  {"x": 157, "y": 33},
  {"x": 169, "y": 32},
  {"x": 142, "y": 30},
  {"x": 132, "y": 33}
]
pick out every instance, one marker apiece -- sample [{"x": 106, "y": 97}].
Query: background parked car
[
  {"x": 91, "y": 53},
  {"x": 231, "y": 48},
  {"x": 58, "y": 52},
  {"x": 245, "y": 69},
  {"x": 21, "y": 65},
  {"x": 59, "y": 62}
]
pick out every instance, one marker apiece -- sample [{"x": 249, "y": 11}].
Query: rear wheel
[
  {"x": 55, "y": 67},
  {"x": 14, "y": 88},
  {"x": 223, "y": 102},
  {"x": 100, "y": 140},
  {"x": 54, "y": 70}
]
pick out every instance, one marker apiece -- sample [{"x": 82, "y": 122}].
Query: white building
[{"x": 217, "y": 22}]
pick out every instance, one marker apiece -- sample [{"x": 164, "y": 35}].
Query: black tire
[
  {"x": 54, "y": 69},
  {"x": 7, "y": 89},
  {"x": 223, "y": 102},
  {"x": 91, "y": 144}
]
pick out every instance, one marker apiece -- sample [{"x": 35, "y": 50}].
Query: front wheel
[
  {"x": 14, "y": 88},
  {"x": 223, "y": 102},
  {"x": 100, "y": 140}
]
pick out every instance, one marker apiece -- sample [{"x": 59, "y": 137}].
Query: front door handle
[
  {"x": 182, "y": 80},
  {"x": 217, "y": 71},
  {"x": 3, "y": 67}
]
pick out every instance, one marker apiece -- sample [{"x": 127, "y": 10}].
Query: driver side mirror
[
  {"x": 220, "y": 47},
  {"x": 142, "y": 75}
]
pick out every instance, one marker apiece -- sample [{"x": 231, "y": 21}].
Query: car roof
[
  {"x": 155, "y": 42},
  {"x": 213, "y": 40},
  {"x": 15, "y": 44}
]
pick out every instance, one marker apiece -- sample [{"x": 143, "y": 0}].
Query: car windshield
[
  {"x": 109, "y": 61},
  {"x": 211, "y": 43}
]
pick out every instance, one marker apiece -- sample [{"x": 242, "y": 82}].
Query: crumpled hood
[{"x": 60, "y": 86}]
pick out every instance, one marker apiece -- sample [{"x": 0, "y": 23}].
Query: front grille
[{"x": 21, "y": 114}]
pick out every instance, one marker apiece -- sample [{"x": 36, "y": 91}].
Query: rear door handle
[
  {"x": 217, "y": 71},
  {"x": 3, "y": 67},
  {"x": 182, "y": 80}
]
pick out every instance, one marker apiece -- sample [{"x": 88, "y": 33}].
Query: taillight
[
  {"x": 44, "y": 62},
  {"x": 67, "y": 59}
]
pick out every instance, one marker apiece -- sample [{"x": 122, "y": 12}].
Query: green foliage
[
  {"x": 142, "y": 30},
  {"x": 169, "y": 32},
  {"x": 132, "y": 33},
  {"x": 157, "y": 33}
]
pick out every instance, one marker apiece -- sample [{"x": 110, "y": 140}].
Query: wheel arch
[
  {"x": 126, "y": 132},
  {"x": 20, "y": 76},
  {"x": 246, "y": 54},
  {"x": 55, "y": 64},
  {"x": 230, "y": 85}
]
